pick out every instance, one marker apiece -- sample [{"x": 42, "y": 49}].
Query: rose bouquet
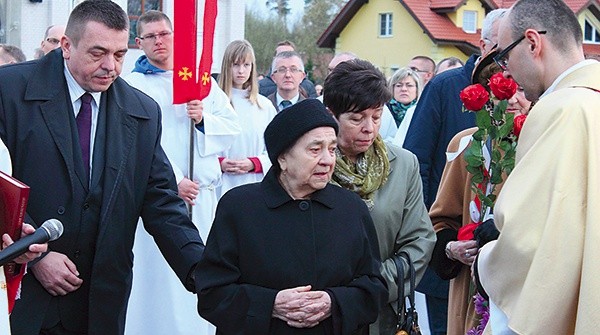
[
  {"x": 490, "y": 156},
  {"x": 496, "y": 133}
]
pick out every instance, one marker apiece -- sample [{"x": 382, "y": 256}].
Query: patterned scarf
[
  {"x": 399, "y": 109},
  {"x": 367, "y": 175}
]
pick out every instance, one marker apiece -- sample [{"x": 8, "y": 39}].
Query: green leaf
[
  {"x": 472, "y": 169},
  {"x": 482, "y": 119},
  {"x": 479, "y": 135},
  {"x": 505, "y": 146},
  {"x": 493, "y": 133},
  {"x": 496, "y": 156},
  {"x": 496, "y": 177},
  {"x": 505, "y": 129},
  {"x": 499, "y": 110},
  {"x": 488, "y": 202},
  {"x": 477, "y": 177}
]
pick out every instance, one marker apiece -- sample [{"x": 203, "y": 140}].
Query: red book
[{"x": 13, "y": 203}]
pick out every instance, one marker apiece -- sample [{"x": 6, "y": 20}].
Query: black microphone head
[{"x": 54, "y": 228}]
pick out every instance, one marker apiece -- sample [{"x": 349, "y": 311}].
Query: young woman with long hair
[{"x": 246, "y": 161}]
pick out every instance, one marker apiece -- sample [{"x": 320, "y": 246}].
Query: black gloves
[{"x": 486, "y": 232}]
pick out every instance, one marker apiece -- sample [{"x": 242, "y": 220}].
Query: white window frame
[
  {"x": 594, "y": 33},
  {"x": 385, "y": 24},
  {"x": 469, "y": 23}
]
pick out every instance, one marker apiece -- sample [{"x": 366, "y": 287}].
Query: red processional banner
[{"x": 190, "y": 83}]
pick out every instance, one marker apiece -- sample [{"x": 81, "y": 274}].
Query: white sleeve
[
  {"x": 388, "y": 125},
  {"x": 221, "y": 123}
]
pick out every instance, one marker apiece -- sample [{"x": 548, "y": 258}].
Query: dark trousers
[{"x": 437, "y": 314}]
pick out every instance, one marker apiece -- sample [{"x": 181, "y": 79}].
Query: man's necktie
[
  {"x": 84, "y": 128},
  {"x": 284, "y": 104}
]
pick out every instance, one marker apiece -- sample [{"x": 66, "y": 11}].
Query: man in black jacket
[{"x": 88, "y": 145}]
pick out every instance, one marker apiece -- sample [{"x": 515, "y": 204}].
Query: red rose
[
  {"x": 474, "y": 97},
  {"x": 502, "y": 88},
  {"x": 518, "y": 123}
]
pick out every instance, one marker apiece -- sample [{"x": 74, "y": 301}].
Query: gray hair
[
  {"x": 349, "y": 54},
  {"x": 286, "y": 55},
  {"x": 9, "y": 53},
  {"x": 488, "y": 23},
  {"x": 403, "y": 73}
]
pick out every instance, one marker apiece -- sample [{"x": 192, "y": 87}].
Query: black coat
[
  {"x": 131, "y": 177},
  {"x": 257, "y": 248}
]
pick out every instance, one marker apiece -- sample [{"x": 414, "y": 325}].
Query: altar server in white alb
[
  {"x": 158, "y": 303},
  {"x": 247, "y": 160}
]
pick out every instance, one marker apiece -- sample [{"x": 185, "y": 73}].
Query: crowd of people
[{"x": 277, "y": 206}]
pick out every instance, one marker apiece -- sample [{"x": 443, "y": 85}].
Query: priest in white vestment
[{"x": 543, "y": 273}]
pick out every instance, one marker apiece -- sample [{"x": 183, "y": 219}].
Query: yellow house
[{"x": 390, "y": 32}]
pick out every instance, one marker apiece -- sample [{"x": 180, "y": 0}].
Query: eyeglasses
[
  {"x": 502, "y": 57},
  {"x": 417, "y": 70},
  {"x": 153, "y": 37},
  {"x": 52, "y": 40},
  {"x": 284, "y": 70}
]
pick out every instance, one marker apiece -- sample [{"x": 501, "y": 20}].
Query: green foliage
[
  {"x": 281, "y": 7},
  {"x": 494, "y": 128},
  {"x": 264, "y": 33}
]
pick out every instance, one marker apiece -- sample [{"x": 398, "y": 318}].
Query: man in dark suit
[
  {"x": 287, "y": 72},
  {"x": 266, "y": 86},
  {"x": 88, "y": 145}
]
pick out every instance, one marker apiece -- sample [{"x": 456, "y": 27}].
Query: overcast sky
[{"x": 296, "y": 6}]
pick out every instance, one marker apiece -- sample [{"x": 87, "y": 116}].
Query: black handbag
[{"x": 408, "y": 320}]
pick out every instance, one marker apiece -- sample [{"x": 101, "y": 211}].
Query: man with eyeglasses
[
  {"x": 52, "y": 38},
  {"x": 424, "y": 66},
  {"x": 543, "y": 273},
  {"x": 172, "y": 310},
  {"x": 437, "y": 118},
  {"x": 267, "y": 85},
  {"x": 287, "y": 71}
]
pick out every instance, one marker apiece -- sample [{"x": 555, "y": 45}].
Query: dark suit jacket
[
  {"x": 267, "y": 86},
  {"x": 273, "y": 98},
  {"x": 131, "y": 178}
]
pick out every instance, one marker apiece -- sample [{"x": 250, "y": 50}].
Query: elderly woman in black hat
[{"x": 292, "y": 254}]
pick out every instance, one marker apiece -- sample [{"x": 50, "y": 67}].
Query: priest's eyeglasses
[
  {"x": 153, "y": 37},
  {"x": 502, "y": 57}
]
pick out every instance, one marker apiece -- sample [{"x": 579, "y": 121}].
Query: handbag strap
[
  {"x": 412, "y": 274},
  {"x": 400, "y": 279},
  {"x": 400, "y": 283}
]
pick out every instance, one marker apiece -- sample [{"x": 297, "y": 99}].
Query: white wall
[{"x": 35, "y": 18}]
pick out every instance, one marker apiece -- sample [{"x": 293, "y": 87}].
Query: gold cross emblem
[
  {"x": 185, "y": 73},
  {"x": 205, "y": 78}
]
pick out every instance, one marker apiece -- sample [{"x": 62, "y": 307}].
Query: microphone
[{"x": 49, "y": 231}]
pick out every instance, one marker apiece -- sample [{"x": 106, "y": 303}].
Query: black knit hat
[{"x": 293, "y": 122}]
